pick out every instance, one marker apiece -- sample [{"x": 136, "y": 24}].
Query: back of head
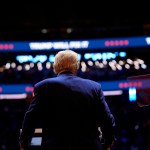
[{"x": 66, "y": 60}]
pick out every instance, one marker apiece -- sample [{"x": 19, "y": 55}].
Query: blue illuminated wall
[
  {"x": 84, "y": 44},
  {"x": 107, "y": 85}
]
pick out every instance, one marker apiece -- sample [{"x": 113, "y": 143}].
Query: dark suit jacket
[{"x": 70, "y": 110}]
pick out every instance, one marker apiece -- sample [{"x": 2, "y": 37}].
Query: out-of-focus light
[
  {"x": 13, "y": 65},
  {"x": 113, "y": 68},
  {"x": 127, "y": 66},
  {"x": 132, "y": 94},
  {"x": 51, "y": 58},
  {"x": 97, "y": 63},
  {"x": 101, "y": 65},
  {"x": 113, "y": 93},
  {"x": 121, "y": 62},
  {"x": 48, "y": 65},
  {"x": 19, "y": 68},
  {"x": 90, "y": 63},
  {"x": 122, "y": 54},
  {"x": 104, "y": 62},
  {"x": 27, "y": 67},
  {"x": 31, "y": 65},
  {"x": 13, "y": 96},
  {"x": 137, "y": 67},
  {"x": 119, "y": 67},
  {"x": 140, "y": 61},
  {"x": 44, "y": 31},
  {"x": 7, "y": 66},
  {"x": 69, "y": 30},
  {"x": 129, "y": 61},
  {"x": 143, "y": 66},
  {"x": 40, "y": 68}
]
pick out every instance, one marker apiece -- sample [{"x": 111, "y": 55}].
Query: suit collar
[{"x": 65, "y": 73}]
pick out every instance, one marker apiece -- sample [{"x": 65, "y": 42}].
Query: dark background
[{"x": 25, "y": 20}]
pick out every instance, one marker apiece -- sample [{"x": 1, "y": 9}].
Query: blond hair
[{"x": 66, "y": 60}]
